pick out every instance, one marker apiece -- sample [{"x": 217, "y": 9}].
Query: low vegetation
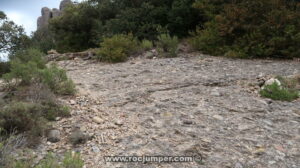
[
  {"x": 69, "y": 160},
  {"x": 146, "y": 45},
  {"x": 117, "y": 48},
  {"x": 288, "y": 90},
  {"x": 276, "y": 92},
  {"x": 30, "y": 99},
  {"x": 167, "y": 45}
]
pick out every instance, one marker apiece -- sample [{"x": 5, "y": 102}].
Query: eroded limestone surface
[{"x": 201, "y": 105}]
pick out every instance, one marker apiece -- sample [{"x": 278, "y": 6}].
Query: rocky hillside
[{"x": 200, "y": 105}]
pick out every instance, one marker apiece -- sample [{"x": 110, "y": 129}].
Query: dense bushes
[
  {"x": 85, "y": 25},
  {"x": 29, "y": 67},
  {"x": 30, "y": 101},
  {"x": 265, "y": 28},
  {"x": 56, "y": 79},
  {"x": 117, "y": 48}
]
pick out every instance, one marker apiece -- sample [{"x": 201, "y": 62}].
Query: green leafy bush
[
  {"x": 277, "y": 92},
  {"x": 49, "y": 162},
  {"x": 72, "y": 160},
  {"x": 167, "y": 45},
  {"x": 57, "y": 80},
  {"x": 85, "y": 25},
  {"x": 265, "y": 28},
  {"x": 23, "y": 117},
  {"x": 30, "y": 55},
  {"x": 146, "y": 44},
  {"x": 28, "y": 72},
  {"x": 117, "y": 48},
  {"x": 25, "y": 72}
]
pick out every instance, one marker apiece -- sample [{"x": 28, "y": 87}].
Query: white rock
[
  {"x": 95, "y": 149},
  {"x": 72, "y": 102},
  {"x": 98, "y": 120},
  {"x": 271, "y": 81},
  {"x": 218, "y": 117}
]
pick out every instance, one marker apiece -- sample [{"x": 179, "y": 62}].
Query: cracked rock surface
[{"x": 200, "y": 105}]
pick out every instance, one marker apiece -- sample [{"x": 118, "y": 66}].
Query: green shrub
[
  {"x": 49, "y": 162},
  {"x": 167, "y": 45},
  {"x": 117, "y": 48},
  {"x": 207, "y": 41},
  {"x": 30, "y": 118},
  {"x": 22, "y": 117},
  {"x": 51, "y": 110},
  {"x": 9, "y": 144},
  {"x": 146, "y": 44},
  {"x": 26, "y": 72},
  {"x": 277, "y": 92},
  {"x": 56, "y": 79},
  {"x": 28, "y": 67},
  {"x": 72, "y": 160},
  {"x": 30, "y": 55}
]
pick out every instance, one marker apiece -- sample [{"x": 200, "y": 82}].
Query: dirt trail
[{"x": 201, "y": 105}]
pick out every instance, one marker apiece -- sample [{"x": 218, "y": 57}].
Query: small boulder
[
  {"x": 72, "y": 102},
  {"x": 53, "y": 136},
  {"x": 270, "y": 82},
  {"x": 95, "y": 149},
  {"x": 218, "y": 117},
  {"x": 78, "y": 137},
  {"x": 119, "y": 122},
  {"x": 98, "y": 120}
]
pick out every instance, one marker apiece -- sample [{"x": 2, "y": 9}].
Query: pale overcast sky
[{"x": 26, "y": 12}]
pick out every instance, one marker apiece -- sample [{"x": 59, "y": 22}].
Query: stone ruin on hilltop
[{"x": 47, "y": 13}]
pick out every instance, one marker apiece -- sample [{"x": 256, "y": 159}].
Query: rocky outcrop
[
  {"x": 202, "y": 106},
  {"x": 64, "y": 4},
  {"x": 48, "y": 14},
  {"x": 55, "y": 12},
  {"x": 54, "y": 56}
]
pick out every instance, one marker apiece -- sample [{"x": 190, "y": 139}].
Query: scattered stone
[
  {"x": 53, "y": 136},
  {"x": 72, "y": 102},
  {"x": 98, "y": 120},
  {"x": 159, "y": 122},
  {"x": 95, "y": 149},
  {"x": 187, "y": 122},
  {"x": 271, "y": 81},
  {"x": 119, "y": 122},
  {"x": 215, "y": 92},
  {"x": 218, "y": 117}
]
